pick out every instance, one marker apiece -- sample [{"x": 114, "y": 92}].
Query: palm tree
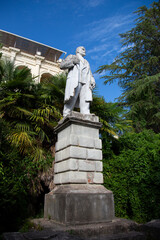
[
  {"x": 54, "y": 88},
  {"x": 29, "y": 110},
  {"x": 111, "y": 116}
]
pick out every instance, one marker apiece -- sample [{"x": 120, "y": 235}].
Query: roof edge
[{"x": 34, "y": 41}]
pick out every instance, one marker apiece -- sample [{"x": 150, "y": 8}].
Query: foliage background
[
  {"x": 131, "y": 164},
  {"x": 132, "y": 172}
]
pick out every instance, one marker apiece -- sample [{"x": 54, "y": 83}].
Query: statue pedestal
[{"x": 79, "y": 197}]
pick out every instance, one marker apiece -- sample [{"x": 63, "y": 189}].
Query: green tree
[
  {"x": 133, "y": 174},
  {"x": 137, "y": 69},
  {"x": 26, "y": 125},
  {"x": 53, "y": 91},
  {"x": 14, "y": 183},
  {"x": 24, "y": 107},
  {"x": 111, "y": 116}
]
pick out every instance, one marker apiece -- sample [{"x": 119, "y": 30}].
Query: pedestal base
[{"x": 79, "y": 204}]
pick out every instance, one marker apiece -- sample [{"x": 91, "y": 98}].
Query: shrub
[{"x": 133, "y": 174}]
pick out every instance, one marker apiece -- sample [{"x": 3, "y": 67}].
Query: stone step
[
  {"x": 119, "y": 229},
  {"x": 40, "y": 235},
  {"x": 60, "y": 235},
  {"x": 122, "y": 236},
  {"x": 151, "y": 229},
  {"x": 116, "y": 226}
]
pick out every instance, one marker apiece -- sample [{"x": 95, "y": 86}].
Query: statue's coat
[{"x": 79, "y": 73}]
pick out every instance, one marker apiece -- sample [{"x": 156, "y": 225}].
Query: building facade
[{"x": 42, "y": 60}]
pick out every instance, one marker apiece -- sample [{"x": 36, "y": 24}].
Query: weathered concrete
[
  {"x": 118, "y": 229},
  {"x": 89, "y": 120},
  {"x": 76, "y": 140},
  {"x": 78, "y": 165},
  {"x": 71, "y": 177},
  {"x": 41, "y": 235},
  {"x": 52, "y": 235},
  {"x": 79, "y": 153},
  {"x": 78, "y": 157},
  {"x": 78, "y": 197},
  {"x": 151, "y": 229},
  {"x": 79, "y": 204}
]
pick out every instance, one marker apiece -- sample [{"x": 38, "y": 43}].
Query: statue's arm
[
  {"x": 69, "y": 62},
  {"x": 92, "y": 80}
]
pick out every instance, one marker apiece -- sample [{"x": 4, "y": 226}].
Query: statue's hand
[
  {"x": 92, "y": 82},
  {"x": 92, "y": 85}
]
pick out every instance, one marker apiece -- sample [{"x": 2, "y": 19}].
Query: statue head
[{"x": 81, "y": 50}]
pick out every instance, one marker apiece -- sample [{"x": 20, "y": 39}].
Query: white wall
[{"x": 37, "y": 64}]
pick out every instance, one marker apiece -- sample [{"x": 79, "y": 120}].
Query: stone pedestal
[{"x": 78, "y": 197}]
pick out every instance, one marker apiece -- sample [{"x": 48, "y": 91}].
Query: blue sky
[{"x": 67, "y": 24}]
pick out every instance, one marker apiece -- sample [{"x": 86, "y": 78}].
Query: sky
[{"x": 67, "y": 24}]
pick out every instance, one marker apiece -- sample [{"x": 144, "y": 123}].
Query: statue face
[{"x": 82, "y": 51}]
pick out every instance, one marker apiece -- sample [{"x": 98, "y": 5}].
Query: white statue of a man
[{"x": 80, "y": 82}]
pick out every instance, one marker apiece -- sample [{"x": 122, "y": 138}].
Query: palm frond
[{"x": 21, "y": 139}]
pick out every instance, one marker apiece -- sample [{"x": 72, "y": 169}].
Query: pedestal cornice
[{"x": 89, "y": 120}]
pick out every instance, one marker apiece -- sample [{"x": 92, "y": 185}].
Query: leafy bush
[
  {"x": 18, "y": 177},
  {"x": 133, "y": 174}
]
